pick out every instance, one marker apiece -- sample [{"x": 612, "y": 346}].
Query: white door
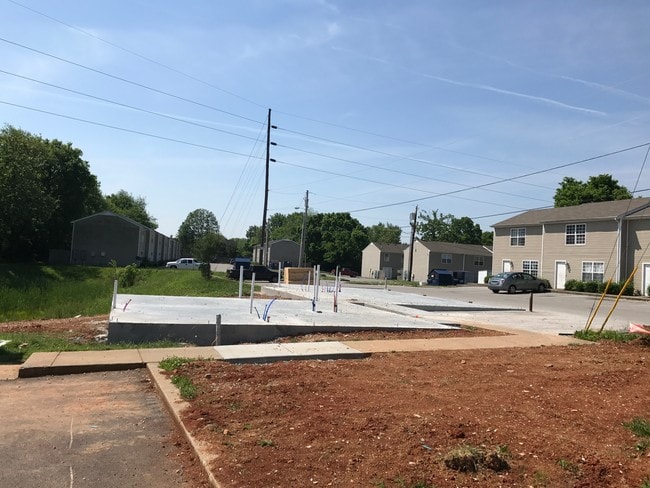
[
  {"x": 560, "y": 274},
  {"x": 388, "y": 272},
  {"x": 646, "y": 278},
  {"x": 507, "y": 266}
]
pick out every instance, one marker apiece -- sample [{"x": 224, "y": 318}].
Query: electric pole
[
  {"x": 303, "y": 233},
  {"x": 414, "y": 223},
  {"x": 264, "y": 237}
]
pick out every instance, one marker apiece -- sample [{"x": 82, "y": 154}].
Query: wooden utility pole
[
  {"x": 264, "y": 238},
  {"x": 414, "y": 223},
  {"x": 303, "y": 233}
]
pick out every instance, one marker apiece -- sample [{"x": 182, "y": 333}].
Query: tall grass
[{"x": 41, "y": 292}]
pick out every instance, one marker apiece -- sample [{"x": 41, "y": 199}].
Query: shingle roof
[
  {"x": 586, "y": 211},
  {"x": 457, "y": 248},
  {"x": 394, "y": 248},
  {"x": 107, "y": 213}
]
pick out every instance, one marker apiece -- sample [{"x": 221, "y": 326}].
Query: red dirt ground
[{"x": 555, "y": 415}]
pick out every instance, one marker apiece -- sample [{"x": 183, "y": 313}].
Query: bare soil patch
[
  {"x": 79, "y": 329},
  {"x": 541, "y": 417}
]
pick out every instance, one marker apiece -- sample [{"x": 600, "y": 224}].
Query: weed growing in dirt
[
  {"x": 540, "y": 478},
  {"x": 265, "y": 443},
  {"x": 568, "y": 466},
  {"x": 174, "y": 362},
  {"x": 640, "y": 428},
  {"x": 187, "y": 389},
  {"x": 606, "y": 335},
  {"x": 645, "y": 483},
  {"x": 468, "y": 459}
]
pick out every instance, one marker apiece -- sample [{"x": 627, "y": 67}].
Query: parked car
[
  {"x": 184, "y": 263},
  {"x": 346, "y": 272},
  {"x": 517, "y": 281},
  {"x": 262, "y": 273}
]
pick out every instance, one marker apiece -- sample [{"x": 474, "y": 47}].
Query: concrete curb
[{"x": 175, "y": 404}]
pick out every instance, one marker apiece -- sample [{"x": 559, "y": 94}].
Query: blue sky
[{"x": 380, "y": 106}]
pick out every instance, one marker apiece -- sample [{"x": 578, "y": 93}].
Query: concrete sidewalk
[{"x": 57, "y": 363}]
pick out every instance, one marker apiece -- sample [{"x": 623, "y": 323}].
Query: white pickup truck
[{"x": 183, "y": 263}]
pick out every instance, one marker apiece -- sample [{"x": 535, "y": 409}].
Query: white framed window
[
  {"x": 530, "y": 266},
  {"x": 576, "y": 234},
  {"x": 479, "y": 261},
  {"x": 518, "y": 236},
  {"x": 446, "y": 259},
  {"x": 593, "y": 271}
]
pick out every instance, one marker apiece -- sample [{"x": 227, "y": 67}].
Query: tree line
[{"x": 46, "y": 184}]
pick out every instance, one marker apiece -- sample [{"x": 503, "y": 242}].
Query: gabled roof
[
  {"x": 111, "y": 214},
  {"x": 390, "y": 248},
  {"x": 456, "y": 248},
  {"x": 636, "y": 207}
]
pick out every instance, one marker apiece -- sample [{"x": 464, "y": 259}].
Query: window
[
  {"x": 593, "y": 271},
  {"x": 386, "y": 257},
  {"x": 518, "y": 236},
  {"x": 576, "y": 234},
  {"x": 446, "y": 259},
  {"x": 530, "y": 266},
  {"x": 479, "y": 261}
]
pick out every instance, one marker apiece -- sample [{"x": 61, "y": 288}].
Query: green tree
[
  {"x": 384, "y": 233},
  {"x": 285, "y": 226},
  {"x": 487, "y": 239},
  {"x": 135, "y": 208},
  {"x": 76, "y": 189},
  {"x": 44, "y": 185},
  {"x": 335, "y": 239},
  {"x": 465, "y": 231},
  {"x": 197, "y": 224},
  {"x": 447, "y": 228},
  {"x": 434, "y": 226},
  {"x": 209, "y": 247},
  {"x": 601, "y": 188}
]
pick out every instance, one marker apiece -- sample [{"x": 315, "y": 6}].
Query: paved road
[
  {"x": 578, "y": 307},
  {"x": 100, "y": 429}
]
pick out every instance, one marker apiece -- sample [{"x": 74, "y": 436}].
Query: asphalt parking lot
[{"x": 574, "y": 307}]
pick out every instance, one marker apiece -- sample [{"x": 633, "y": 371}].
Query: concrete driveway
[{"x": 99, "y": 429}]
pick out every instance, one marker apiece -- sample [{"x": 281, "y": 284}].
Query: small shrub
[
  {"x": 591, "y": 286},
  {"x": 127, "y": 276},
  {"x": 487, "y": 278},
  {"x": 570, "y": 285},
  {"x": 465, "y": 459},
  {"x": 580, "y": 286}
]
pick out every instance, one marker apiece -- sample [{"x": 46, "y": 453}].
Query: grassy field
[
  {"x": 30, "y": 292},
  {"x": 41, "y": 292}
]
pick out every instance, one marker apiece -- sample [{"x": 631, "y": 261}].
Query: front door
[{"x": 560, "y": 274}]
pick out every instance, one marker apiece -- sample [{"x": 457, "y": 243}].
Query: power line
[
  {"x": 124, "y": 105},
  {"x": 114, "y": 127},
  {"x": 407, "y": 158},
  {"x": 134, "y": 53},
  {"x": 130, "y": 82},
  {"x": 513, "y": 178},
  {"x": 390, "y": 170}
]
